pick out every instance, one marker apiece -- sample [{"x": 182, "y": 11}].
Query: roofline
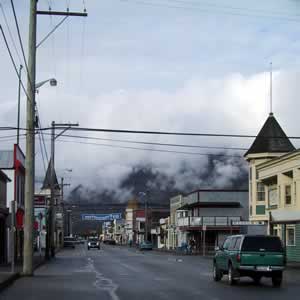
[
  {"x": 265, "y": 155},
  {"x": 4, "y": 176},
  {"x": 216, "y": 190},
  {"x": 278, "y": 159}
]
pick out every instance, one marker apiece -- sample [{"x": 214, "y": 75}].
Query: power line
[
  {"x": 10, "y": 33},
  {"x": 229, "y": 7},
  {"x": 150, "y": 149},
  {"x": 22, "y": 48},
  {"x": 42, "y": 152},
  {"x": 125, "y": 131},
  {"x": 207, "y": 10},
  {"x": 155, "y": 143},
  {"x": 41, "y": 134},
  {"x": 13, "y": 61}
]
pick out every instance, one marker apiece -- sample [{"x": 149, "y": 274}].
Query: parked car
[
  {"x": 145, "y": 245},
  {"x": 93, "y": 243},
  {"x": 69, "y": 242},
  {"x": 255, "y": 256}
]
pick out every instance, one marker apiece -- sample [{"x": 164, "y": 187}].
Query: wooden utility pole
[
  {"x": 30, "y": 134},
  {"x": 29, "y": 162}
]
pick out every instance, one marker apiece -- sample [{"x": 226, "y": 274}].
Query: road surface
[{"x": 121, "y": 273}]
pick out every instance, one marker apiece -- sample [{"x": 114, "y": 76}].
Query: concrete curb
[
  {"x": 8, "y": 281},
  {"x": 13, "y": 277}
]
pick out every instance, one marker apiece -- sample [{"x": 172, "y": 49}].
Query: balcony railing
[{"x": 207, "y": 221}]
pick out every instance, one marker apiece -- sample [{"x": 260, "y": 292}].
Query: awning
[{"x": 285, "y": 216}]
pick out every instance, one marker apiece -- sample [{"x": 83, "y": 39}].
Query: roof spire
[{"x": 271, "y": 92}]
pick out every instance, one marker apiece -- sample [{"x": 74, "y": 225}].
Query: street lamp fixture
[{"x": 52, "y": 81}]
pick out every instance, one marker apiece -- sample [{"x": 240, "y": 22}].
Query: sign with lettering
[{"x": 101, "y": 217}]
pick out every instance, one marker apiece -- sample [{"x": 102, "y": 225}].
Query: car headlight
[
  {"x": 97, "y": 243},
  {"x": 89, "y": 244}
]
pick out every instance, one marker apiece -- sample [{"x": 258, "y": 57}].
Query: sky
[{"x": 161, "y": 65}]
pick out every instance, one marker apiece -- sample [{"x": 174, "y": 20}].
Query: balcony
[{"x": 207, "y": 221}]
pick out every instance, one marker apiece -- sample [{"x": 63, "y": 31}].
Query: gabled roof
[
  {"x": 271, "y": 139},
  {"x": 47, "y": 180}
]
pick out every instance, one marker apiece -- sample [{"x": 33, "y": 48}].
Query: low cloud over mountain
[{"x": 163, "y": 182}]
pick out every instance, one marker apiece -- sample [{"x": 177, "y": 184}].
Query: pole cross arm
[
  {"x": 64, "y": 130},
  {"x": 61, "y": 13}
]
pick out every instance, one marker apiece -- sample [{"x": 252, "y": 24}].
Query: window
[
  {"x": 288, "y": 196},
  {"x": 226, "y": 243},
  {"x": 232, "y": 244},
  {"x": 262, "y": 243},
  {"x": 272, "y": 195},
  {"x": 290, "y": 236},
  {"x": 237, "y": 244},
  {"x": 260, "y": 192}
]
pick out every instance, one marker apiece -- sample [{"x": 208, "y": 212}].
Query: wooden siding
[{"x": 293, "y": 252}]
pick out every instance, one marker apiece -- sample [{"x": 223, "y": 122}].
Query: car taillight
[{"x": 238, "y": 258}]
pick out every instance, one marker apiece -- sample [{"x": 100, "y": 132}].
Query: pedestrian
[{"x": 192, "y": 245}]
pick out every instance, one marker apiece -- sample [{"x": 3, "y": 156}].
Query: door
[{"x": 222, "y": 255}]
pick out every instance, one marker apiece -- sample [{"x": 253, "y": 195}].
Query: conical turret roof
[
  {"x": 47, "y": 179},
  {"x": 271, "y": 139}
]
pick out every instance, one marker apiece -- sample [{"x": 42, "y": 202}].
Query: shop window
[
  {"x": 290, "y": 236},
  {"x": 260, "y": 192},
  {"x": 288, "y": 196}
]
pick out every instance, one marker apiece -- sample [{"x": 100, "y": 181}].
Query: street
[{"x": 121, "y": 273}]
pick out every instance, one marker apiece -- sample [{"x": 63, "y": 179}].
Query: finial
[{"x": 271, "y": 92}]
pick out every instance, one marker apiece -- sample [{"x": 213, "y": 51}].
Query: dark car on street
[
  {"x": 93, "y": 243},
  {"x": 69, "y": 242},
  {"x": 255, "y": 256}
]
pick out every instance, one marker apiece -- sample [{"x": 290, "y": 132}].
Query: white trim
[{"x": 294, "y": 228}]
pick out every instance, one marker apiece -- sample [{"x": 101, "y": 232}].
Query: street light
[{"x": 53, "y": 82}]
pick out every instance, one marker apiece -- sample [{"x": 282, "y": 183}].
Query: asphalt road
[{"x": 122, "y": 273}]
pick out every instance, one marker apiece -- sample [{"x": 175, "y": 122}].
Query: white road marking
[{"x": 102, "y": 283}]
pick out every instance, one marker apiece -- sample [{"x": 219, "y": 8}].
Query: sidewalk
[{"x": 7, "y": 278}]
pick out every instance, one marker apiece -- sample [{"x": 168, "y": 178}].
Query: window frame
[
  {"x": 260, "y": 192},
  {"x": 290, "y": 195},
  {"x": 290, "y": 227}
]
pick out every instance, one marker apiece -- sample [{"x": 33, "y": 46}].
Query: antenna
[{"x": 271, "y": 92}]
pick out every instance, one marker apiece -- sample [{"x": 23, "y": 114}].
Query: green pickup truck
[{"x": 255, "y": 256}]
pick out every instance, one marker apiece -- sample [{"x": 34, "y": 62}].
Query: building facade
[
  {"x": 274, "y": 182},
  {"x": 208, "y": 216},
  {"x": 4, "y": 211},
  {"x": 12, "y": 163}
]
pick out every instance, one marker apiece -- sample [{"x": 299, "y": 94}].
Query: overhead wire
[
  {"x": 126, "y": 131},
  {"x": 150, "y": 149},
  {"x": 154, "y": 143},
  {"x": 207, "y": 10},
  {"x": 22, "y": 48},
  {"x": 230, "y": 7},
  {"x": 13, "y": 61},
  {"x": 10, "y": 33}
]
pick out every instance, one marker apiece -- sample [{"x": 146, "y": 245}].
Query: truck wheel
[
  {"x": 277, "y": 280},
  {"x": 231, "y": 275},
  {"x": 217, "y": 274},
  {"x": 256, "y": 279}
]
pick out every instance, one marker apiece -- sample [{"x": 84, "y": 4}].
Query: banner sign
[{"x": 101, "y": 217}]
